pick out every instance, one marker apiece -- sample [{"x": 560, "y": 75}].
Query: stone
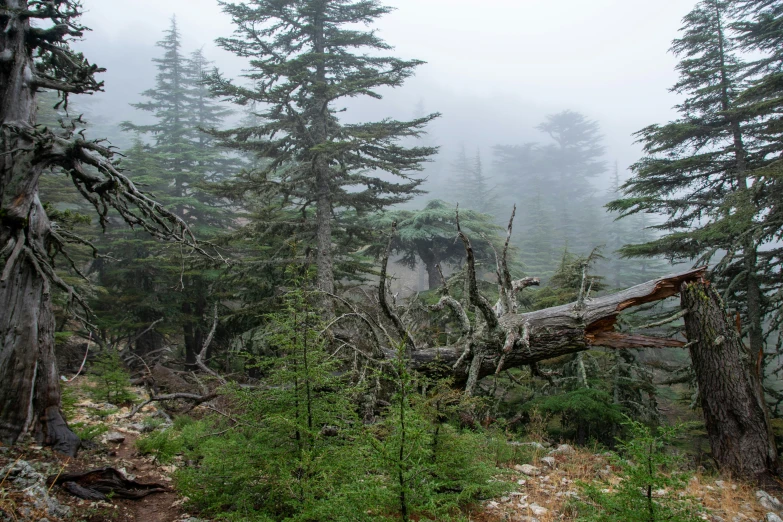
[
  {"x": 769, "y": 502},
  {"x": 538, "y": 510},
  {"x": 114, "y": 437},
  {"x": 521, "y": 482},
  {"x": 534, "y": 445},
  {"x": 528, "y": 470},
  {"x": 562, "y": 449},
  {"x": 549, "y": 461},
  {"x": 772, "y": 517}
]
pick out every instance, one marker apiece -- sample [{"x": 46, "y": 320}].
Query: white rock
[
  {"x": 549, "y": 461},
  {"x": 772, "y": 517},
  {"x": 769, "y": 502},
  {"x": 562, "y": 449},
  {"x": 114, "y": 437},
  {"x": 521, "y": 482},
  {"x": 528, "y": 470},
  {"x": 493, "y": 505},
  {"x": 538, "y": 510},
  {"x": 720, "y": 483}
]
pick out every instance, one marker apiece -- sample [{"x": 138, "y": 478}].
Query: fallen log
[
  {"x": 102, "y": 483},
  {"x": 527, "y": 338}
]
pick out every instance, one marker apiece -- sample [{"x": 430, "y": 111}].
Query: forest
[{"x": 243, "y": 296}]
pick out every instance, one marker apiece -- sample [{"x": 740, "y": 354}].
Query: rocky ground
[
  {"x": 542, "y": 490},
  {"x": 546, "y": 485},
  {"x": 25, "y": 495}
]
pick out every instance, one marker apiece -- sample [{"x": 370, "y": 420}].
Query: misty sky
[{"x": 495, "y": 67}]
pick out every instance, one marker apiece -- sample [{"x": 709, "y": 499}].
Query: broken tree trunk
[
  {"x": 523, "y": 339},
  {"x": 735, "y": 413}
]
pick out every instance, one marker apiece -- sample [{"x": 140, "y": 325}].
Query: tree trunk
[
  {"x": 552, "y": 332},
  {"x": 30, "y": 390},
  {"x": 323, "y": 207},
  {"x": 433, "y": 277},
  {"x": 193, "y": 332},
  {"x": 30, "y": 393},
  {"x": 735, "y": 413}
]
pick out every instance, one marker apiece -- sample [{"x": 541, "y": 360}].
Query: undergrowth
[{"x": 295, "y": 449}]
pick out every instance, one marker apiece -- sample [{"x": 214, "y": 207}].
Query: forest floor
[
  {"x": 25, "y": 495},
  {"x": 542, "y": 489}
]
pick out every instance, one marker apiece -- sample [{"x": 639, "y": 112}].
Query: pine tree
[
  {"x": 426, "y": 236},
  {"x": 179, "y": 165},
  {"x": 36, "y": 50},
  {"x": 570, "y": 164},
  {"x": 697, "y": 169},
  {"x": 551, "y": 184},
  {"x": 306, "y": 57},
  {"x": 760, "y": 34}
]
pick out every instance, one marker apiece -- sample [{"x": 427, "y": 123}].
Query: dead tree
[
  {"x": 730, "y": 392},
  {"x": 502, "y": 338},
  {"x": 728, "y": 375},
  {"x": 35, "y": 55}
]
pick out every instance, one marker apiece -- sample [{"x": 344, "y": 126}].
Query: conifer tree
[
  {"x": 760, "y": 34},
  {"x": 427, "y": 236},
  {"x": 36, "y": 55},
  {"x": 697, "y": 169},
  {"x": 305, "y": 59},
  {"x": 469, "y": 184},
  {"x": 177, "y": 165}
]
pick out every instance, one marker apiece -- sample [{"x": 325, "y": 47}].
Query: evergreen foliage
[
  {"x": 651, "y": 473},
  {"x": 110, "y": 379},
  {"x": 179, "y": 165},
  {"x": 705, "y": 172},
  {"x": 305, "y": 58},
  {"x": 552, "y": 186},
  {"x": 295, "y": 449},
  {"x": 427, "y": 236}
]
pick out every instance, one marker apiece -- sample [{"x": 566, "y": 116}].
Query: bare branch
[
  {"x": 382, "y": 288},
  {"x": 476, "y": 299},
  {"x": 200, "y": 356}
]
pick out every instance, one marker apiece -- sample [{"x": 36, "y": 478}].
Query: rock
[
  {"x": 720, "y": 483},
  {"x": 505, "y": 499},
  {"x": 549, "y": 461},
  {"x": 39, "y": 495},
  {"x": 769, "y": 502},
  {"x": 772, "y": 517},
  {"x": 562, "y": 449},
  {"x": 22, "y": 474},
  {"x": 534, "y": 445},
  {"x": 538, "y": 510},
  {"x": 493, "y": 505},
  {"x": 114, "y": 437},
  {"x": 521, "y": 482},
  {"x": 528, "y": 470}
]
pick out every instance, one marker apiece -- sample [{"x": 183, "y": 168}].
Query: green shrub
[
  {"x": 87, "y": 432},
  {"x": 110, "y": 380},
  {"x": 68, "y": 400},
  {"x": 294, "y": 448},
  {"x": 585, "y": 413},
  {"x": 651, "y": 478}
]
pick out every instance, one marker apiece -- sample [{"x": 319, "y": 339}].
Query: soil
[{"x": 165, "y": 506}]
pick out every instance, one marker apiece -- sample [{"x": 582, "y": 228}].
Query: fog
[{"x": 494, "y": 69}]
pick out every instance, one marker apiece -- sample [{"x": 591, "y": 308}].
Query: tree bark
[
  {"x": 735, "y": 413},
  {"x": 323, "y": 207},
  {"x": 552, "y": 332},
  {"x": 30, "y": 390}
]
